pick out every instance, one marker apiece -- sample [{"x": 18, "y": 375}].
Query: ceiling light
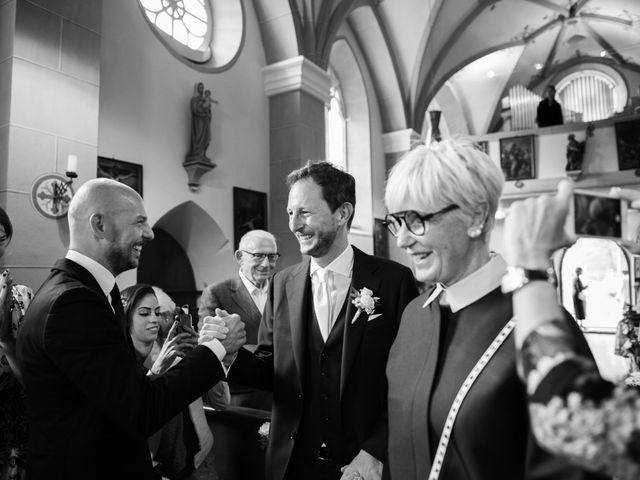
[
  {"x": 538, "y": 66},
  {"x": 491, "y": 74},
  {"x": 603, "y": 53}
]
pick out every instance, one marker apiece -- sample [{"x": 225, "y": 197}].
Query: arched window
[
  {"x": 593, "y": 94},
  {"x": 207, "y": 33},
  {"x": 336, "y": 126}
]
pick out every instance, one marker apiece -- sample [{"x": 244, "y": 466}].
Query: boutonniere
[{"x": 365, "y": 302}]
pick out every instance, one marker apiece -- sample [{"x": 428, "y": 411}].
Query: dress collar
[{"x": 474, "y": 286}]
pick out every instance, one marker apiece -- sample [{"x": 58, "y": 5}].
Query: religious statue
[
  {"x": 200, "y": 124},
  {"x": 575, "y": 150}
]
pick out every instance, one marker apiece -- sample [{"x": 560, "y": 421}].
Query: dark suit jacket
[
  {"x": 91, "y": 406},
  {"x": 231, "y": 295},
  {"x": 278, "y": 363},
  {"x": 491, "y": 437}
]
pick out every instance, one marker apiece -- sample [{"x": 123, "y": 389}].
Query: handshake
[{"x": 227, "y": 328}]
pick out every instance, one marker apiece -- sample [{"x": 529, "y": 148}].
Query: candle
[{"x": 72, "y": 163}]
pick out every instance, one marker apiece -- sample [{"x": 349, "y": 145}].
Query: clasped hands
[{"x": 227, "y": 328}]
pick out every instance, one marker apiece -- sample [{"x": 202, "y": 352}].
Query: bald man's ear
[{"x": 98, "y": 226}]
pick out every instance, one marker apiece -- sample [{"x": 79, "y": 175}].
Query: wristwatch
[{"x": 518, "y": 277}]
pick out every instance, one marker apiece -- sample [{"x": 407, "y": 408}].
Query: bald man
[{"x": 91, "y": 406}]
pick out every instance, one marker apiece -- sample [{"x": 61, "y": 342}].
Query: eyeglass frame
[
  {"x": 272, "y": 257},
  {"x": 400, "y": 219}
]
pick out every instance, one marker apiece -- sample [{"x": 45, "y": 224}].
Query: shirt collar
[
  {"x": 251, "y": 287},
  {"x": 342, "y": 264},
  {"x": 474, "y": 286},
  {"x": 104, "y": 277}
]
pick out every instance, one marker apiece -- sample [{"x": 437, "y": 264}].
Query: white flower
[
  {"x": 364, "y": 301},
  {"x": 264, "y": 430}
]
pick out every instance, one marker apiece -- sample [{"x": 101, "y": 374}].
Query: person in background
[
  {"x": 246, "y": 295},
  {"x": 182, "y": 444},
  {"x": 14, "y": 299},
  {"x": 91, "y": 406},
  {"x": 549, "y": 111},
  {"x": 579, "y": 302},
  {"x": 457, "y": 409},
  {"x": 574, "y": 411},
  {"x": 324, "y": 339}
]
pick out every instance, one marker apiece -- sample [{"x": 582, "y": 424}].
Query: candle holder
[{"x": 51, "y": 194}]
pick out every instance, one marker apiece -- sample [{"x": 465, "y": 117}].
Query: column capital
[
  {"x": 400, "y": 141},
  {"x": 297, "y": 73}
]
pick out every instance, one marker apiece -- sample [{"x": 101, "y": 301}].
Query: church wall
[{"x": 145, "y": 118}]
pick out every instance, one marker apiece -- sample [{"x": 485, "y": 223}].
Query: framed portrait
[
  {"x": 124, "y": 172},
  {"x": 380, "y": 239},
  {"x": 249, "y": 212},
  {"x": 628, "y": 144},
  {"x": 517, "y": 157},
  {"x": 483, "y": 146}
]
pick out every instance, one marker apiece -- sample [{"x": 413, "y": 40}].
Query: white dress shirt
[
  {"x": 339, "y": 273},
  {"x": 258, "y": 295}
]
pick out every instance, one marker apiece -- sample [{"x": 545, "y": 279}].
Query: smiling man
[
  {"x": 323, "y": 360},
  {"x": 91, "y": 406}
]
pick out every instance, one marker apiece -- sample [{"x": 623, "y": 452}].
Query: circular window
[{"x": 207, "y": 34}]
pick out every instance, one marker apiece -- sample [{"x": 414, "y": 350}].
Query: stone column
[
  {"x": 298, "y": 90},
  {"x": 49, "y": 89}
]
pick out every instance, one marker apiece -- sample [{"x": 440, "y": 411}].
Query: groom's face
[{"x": 311, "y": 219}]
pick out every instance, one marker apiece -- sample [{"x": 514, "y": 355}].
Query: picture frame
[
  {"x": 249, "y": 212},
  {"x": 128, "y": 173},
  {"x": 380, "y": 238},
  {"x": 628, "y": 144},
  {"x": 517, "y": 158}
]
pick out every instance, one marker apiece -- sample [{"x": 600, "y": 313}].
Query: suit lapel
[
  {"x": 363, "y": 276},
  {"x": 243, "y": 299},
  {"x": 297, "y": 288}
]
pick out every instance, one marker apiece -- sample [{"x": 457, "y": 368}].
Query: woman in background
[
  {"x": 578, "y": 297},
  {"x": 457, "y": 409},
  {"x": 14, "y": 300},
  {"x": 183, "y": 443},
  {"x": 574, "y": 411}
]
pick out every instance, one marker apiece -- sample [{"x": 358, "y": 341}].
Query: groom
[{"x": 324, "y": 364}]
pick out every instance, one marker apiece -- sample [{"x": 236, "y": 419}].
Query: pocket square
[{"x": 373, "y": 317}]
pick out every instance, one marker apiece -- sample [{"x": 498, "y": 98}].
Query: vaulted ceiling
[{"x": 412, "y": 48}]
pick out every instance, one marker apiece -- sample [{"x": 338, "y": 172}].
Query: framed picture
[
  {"x": 249, "y": 212},
  {"x": 483, "y": 146},
  {"x": 380, "y": 239},
  {"x": 628, "y": 144},
  {"x": 124, "y": 172},
  {"x": 517, "y": 157}
]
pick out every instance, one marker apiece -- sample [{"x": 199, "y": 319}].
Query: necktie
[
  {"x": 322, "y": 302},
  {"x": 116, "y": 303}
]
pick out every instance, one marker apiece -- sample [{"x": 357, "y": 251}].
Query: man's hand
[
  {"x": 363, "y": 466},
  {"x": 228, "y": 328},
  {"x": 534, "y": 228}
]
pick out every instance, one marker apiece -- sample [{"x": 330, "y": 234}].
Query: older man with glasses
[{"x": 246, "y": 295}]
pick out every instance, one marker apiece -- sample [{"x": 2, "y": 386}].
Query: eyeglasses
[
  {"x": 259, "y": 256},
  {"x": 416, "y": 223}
]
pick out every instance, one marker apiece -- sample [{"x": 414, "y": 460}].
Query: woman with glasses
[{"x": 457, "y": 409}]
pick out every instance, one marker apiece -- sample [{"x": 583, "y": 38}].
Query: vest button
[
  {"x": 293, "y": 435},
  {"x": 299, "y": 396}
]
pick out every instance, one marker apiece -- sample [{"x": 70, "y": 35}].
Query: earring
[{"x": 474, "y": 232}]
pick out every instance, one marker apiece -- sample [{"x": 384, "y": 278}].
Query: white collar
[
  {"x": 474, "y": 286},
  {"x": 342, "y": 264},
  {"x": 251, "y": 287},
  {"x": 104, "y": 277}
]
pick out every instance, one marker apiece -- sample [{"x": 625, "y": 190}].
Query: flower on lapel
[
  {"x": 263, "y": 434},
  {"x": 365, "y": 302}
]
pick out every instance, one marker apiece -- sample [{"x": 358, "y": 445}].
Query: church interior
[{"x": 94, "y": 88}]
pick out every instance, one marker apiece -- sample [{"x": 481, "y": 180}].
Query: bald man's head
[{"x": 108, "y": 223}]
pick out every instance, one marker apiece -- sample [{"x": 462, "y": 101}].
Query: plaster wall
[{"x": 145, "y": 118}]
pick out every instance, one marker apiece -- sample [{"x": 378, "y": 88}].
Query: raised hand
[{"x": 176, "y": 346}]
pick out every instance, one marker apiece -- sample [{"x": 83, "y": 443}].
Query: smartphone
[
  {"x": 598, "y": 215},
  {"x": 184, "y": 317}
]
